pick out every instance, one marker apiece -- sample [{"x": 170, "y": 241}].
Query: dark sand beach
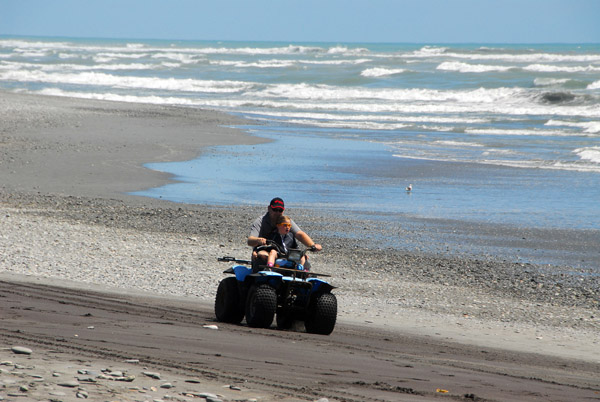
[{"x": 95, "y": 281}]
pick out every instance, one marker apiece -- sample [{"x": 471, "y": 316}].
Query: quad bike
[{"x": 260, "y": 293}]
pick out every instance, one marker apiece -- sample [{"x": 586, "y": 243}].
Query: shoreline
[
  {"x": 65, "y": 219},
  {"x": 71, "y": 146}
]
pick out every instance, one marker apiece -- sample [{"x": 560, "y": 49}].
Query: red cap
[{"x": 277, "y": 203}]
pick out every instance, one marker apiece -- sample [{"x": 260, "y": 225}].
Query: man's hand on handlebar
[{"x": 315, "y": 247}]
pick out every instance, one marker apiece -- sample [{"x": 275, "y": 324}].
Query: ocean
[{"x": 495, "y": 134}]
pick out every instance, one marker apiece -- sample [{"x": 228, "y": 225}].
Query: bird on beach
[{"x": 409, "y": 188}]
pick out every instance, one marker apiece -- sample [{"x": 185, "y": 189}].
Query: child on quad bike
[
  {"x": 285, "y": 240},
  {"x": 264, "y": 226}
]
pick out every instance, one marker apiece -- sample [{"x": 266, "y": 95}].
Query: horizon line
[{"x": 294, "y": 41}]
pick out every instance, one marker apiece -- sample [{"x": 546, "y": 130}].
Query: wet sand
[{"x": 66, "y": 165}]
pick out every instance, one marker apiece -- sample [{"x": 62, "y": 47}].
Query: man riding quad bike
[{"x": 260, "y": 293}]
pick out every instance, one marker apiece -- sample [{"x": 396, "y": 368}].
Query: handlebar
[{"x": 233, "y": 259}]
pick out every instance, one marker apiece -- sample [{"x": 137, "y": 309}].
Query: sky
[{"x": 412, "y": 21}]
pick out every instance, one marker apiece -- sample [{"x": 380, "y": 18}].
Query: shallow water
[{"x": 322, "y": 171}]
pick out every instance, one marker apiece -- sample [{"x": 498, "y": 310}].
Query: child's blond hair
[{"x": 283, "y": 219}]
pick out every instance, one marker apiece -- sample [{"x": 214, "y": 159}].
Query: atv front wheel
[
  {"x": 227, "y": 302},
  {"x": 322, "y": 313},
  {"x": 260, "y": 306}
]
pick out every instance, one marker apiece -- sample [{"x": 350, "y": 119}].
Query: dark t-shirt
[{"x": 287, "y": 241}]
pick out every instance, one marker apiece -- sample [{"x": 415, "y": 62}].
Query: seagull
[{"x": 409, "y": 188}]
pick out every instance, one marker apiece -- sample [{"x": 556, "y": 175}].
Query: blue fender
[
  {"x": 240, "y": 271},
  {"x": 319, "y": 285}
]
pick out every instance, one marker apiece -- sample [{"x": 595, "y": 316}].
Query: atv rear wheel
[
  {"x": 227, "y": 302},
  {"x": 260, "y": 306},
  {"x": 322, "y": 313}
]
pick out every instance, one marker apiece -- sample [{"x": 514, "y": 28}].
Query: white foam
[
  {"x": 519, "y": 132},
  {"x": 157, "y": 100},
  {"x": 547, "y": 68},
  {"x": 368, "y": 117},
  {"x": 11, "y": 65},
  {"x": 381, "y": 72},
  {"x": 459, "y": 144},
  {"x": 548, "y": 82},
  {"x": 587, "y": 126},
  {"x": 347, "y": 51},
  {"x": 364, "y": 125},
  {"x": 591, "y": 154},
  {"x": 177, "y": 56},
  {"x": 594, "y": 85},
  {"x": 133, "y": 48},
  {"x": 257, "y": 64},
  {"x": 471, "y": 68},
  {"x": 102, "y": 79},
  {"x": 503, "y": 56},
  {"x": 336, "y": 62},
  {"x": 428, "y": 51},
  {"x": 471, "y": 109},
  {"x": 120, "y": 55},
  {"x": 330, "y": 93},
  {"x": 523, "y": 164},
  {"x": 24, "y": 44}
]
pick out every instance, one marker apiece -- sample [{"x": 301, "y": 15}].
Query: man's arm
[
  {"x": 254, "y": 238},
  {"x": 307, "y": 241},
  {"x": 254, "y": 241}
]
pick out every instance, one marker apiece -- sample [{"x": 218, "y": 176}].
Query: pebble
[
  {"x": 21, "y": 350},
  {"x": 68, "y": 384},
  {"x": 22, "y": 385}
]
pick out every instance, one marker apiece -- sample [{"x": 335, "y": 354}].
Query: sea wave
[
  {"x": 366, "y": 117},
  {"x": 520, "y": 132},
  {"x": 103, "y": 79},
  {"x": 133, "y": 48},
  {"x": 331, "y": 93},
  {"x": 549, "y": 82},
  {"x": 505, "y": 56},
  {"x": 108, "y": 55},
  {"x": 521, "y": 164},
  {"x": 471, "y": 68},
  {"x": 546, "y": 68},
  {"x": 587, "y": 126},
  {"x": 362, "y": 125},
  {"x": 344, "y": 50},
  {"x": 459, "y": 144},
  {"x": 589, "y": 153},
  {"x": 256, "y": 64},
  {"x": 381, "y": 72},
  {"x": 155, "y": 100},
  {"x": 65, "y": 67}
]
